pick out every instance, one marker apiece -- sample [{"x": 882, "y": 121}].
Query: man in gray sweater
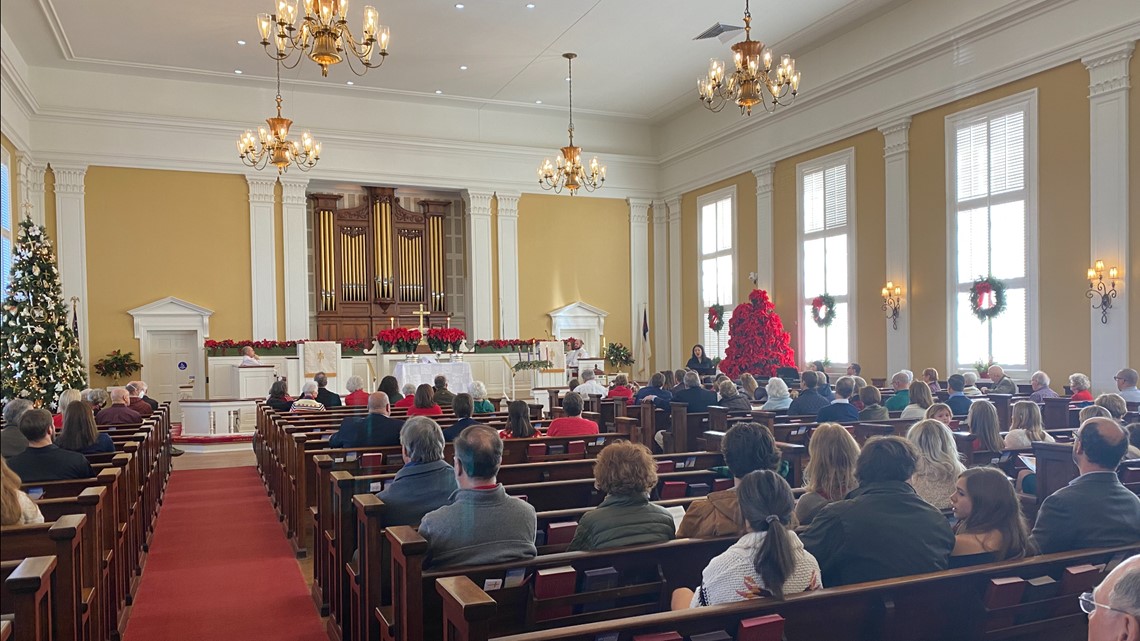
[{"x": 482, "y": 524}]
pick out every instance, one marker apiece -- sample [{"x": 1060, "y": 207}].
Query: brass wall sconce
[
  {"x": 892, "y": 301},
  {"x": 1098, "y": 292}
]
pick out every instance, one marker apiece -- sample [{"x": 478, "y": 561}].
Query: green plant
[
  {"x": 116, "y": 365},
  {"x": 618, "y": 355},
  {"x": 983, "y": 367},
  {"x": 525, "y": 365}
]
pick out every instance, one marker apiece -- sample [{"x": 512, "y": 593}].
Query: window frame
[
  {"x": 13, "y": 217},
  {"x": 1026, "y": 102},
  {"x": 844, "y": 157},
  {"x": 703, "y": 200}
]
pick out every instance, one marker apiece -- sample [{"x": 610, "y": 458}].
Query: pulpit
[
  {"x": 253, "y": 382},
  {"x": 218, "y": 417}
]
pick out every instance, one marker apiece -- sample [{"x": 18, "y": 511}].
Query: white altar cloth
[{"x": 458, "y": 375}]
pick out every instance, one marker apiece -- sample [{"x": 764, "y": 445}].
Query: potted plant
[
  {"x": 618, "y": 355},
  {"x": 117, "y": 365}
]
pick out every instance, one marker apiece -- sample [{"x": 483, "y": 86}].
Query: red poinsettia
[
  {"x": 757, "y": 342},
  {"x": 507, "y": 343},
  {"x": 214, "y": 346},
  {"x": 404, "y": 339},
  {"x": 440, "y": 338}
]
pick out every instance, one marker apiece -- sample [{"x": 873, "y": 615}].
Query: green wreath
[
  {"x": 987, "y": 297},
  {"x": 716, "y": 317},
  {"x": 818, "y": 305}
]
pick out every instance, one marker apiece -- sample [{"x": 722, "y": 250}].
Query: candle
[{"x": 391, "y": 322}]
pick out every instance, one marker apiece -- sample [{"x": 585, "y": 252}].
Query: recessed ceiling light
[
  {"x": 350, "y": 83},
  {"x": 439, "y": 91},
  {"x": 237, "y": 71},
  {"x": 538, "y": 102},
  {"x": 530, "y": 5},
  {"x": 459, "y": 5},
  {"x": 463, "y": 67},
  {"x": 241, "y": 42}
]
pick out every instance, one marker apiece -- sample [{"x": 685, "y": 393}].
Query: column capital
[
  {"x": 508, "y": 204},
  {"x": 764, "y": 178},
  {"x": 660, "y": 212},
  {"x": 293, "y": 190},
  {"x": 261, "y": 189},
  {"x": 69, "y": 178},
  {"x": 478, "y": 202},
  {"x": 1108, "y": 69},
  {"x": 896, "y": 137},
  {"x": 674, "y": 205},
  {"x": 639, "y": 210}
]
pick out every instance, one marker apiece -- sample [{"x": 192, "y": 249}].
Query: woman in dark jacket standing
[
  {"x": 699, "y": 361},
  {"x": 627, "y": 473}
]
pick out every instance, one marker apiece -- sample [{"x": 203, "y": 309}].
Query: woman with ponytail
[{"x": 768, "y": 561}]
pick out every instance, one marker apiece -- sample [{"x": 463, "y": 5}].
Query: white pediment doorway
[
  {"x": 171, "y": 333},
  {"x": 580, "y": 320}
]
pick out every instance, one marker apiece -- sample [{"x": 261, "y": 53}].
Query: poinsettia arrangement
[
  {"x": 217, "y": 346},
  {"x": 520, "y": 344},
  {"x": 356, "y": 344},
  {"x": 757, "y": 342},
  {"x": 402, "y": 338},
  {"x": 441, "y": 338}
]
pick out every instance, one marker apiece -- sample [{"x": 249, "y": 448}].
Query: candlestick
[{"x": 391, "y": 322}]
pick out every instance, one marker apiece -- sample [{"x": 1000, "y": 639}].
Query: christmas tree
[
  {"x": 757, "y": 342},
  {"x": 39, "y": 351}
]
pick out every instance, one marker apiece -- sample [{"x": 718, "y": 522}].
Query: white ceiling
[{"x": 636, "y": 58}]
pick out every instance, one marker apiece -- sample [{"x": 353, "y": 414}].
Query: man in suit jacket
[
  {"x": 696, "y": 397},
  {"x": 325, "y": 396},
  {"x": 375, "y": 430},
  {"x": 426, "y": 482},
  {"x": 840, "y": 410},
  {"x": 463, "y": 406},
  {"x": 1095, "y": 510},
  {"x": 810, "y": 401},
  {"x": 148, "y": 400},
  {"x": 134, "y": 390},
  {"x": 443, "y": 396}
]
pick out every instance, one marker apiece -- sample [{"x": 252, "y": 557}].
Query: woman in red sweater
[
  {"x": 356, "y": 394},
  {"x": 1080, "y": 385},
  {"x": 621, "y": 388},
  {"x": 424, "y": 403}
]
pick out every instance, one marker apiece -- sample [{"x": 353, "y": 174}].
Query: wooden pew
[
  {"x": 27, "y": 596},
  {"x": 62, "y": 539},
  {"x": 794, "y": 454}
]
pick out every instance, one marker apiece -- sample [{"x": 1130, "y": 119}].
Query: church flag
[{"x": 645, "y": 350}]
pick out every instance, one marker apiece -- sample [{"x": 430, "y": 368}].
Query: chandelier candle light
[
  {"x": 753, "y": 75},
  {"x": 569, "y": 172},
  {"x": 272, "y": 145},
  {"x": 324, "y": 33}
]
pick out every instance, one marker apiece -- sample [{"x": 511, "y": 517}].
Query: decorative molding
[
  {"x": 508, "y": 228},
  {"x": 69, "y": 178},
  {"x": 638, "y": 210},
  {"x": 71, "y": 244},
  {"x": 173, "y": 314},
  {"x": 31, "y": 188},
  {"x": 896, "y": 136},
  {"x": 478, "y": 208},
  {"x": 1108, "y": 70},
  {"x": 582, "y": 321},
  {"x": 295, "y": 247},
  {"x": 765, "y": 175},
  {"x": 765, "y": 214},
  {"x": 261, "y": 189},
  {"x": 263, "y": 256}
]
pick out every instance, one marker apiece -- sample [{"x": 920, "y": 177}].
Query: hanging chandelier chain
[
  {"x": 569, "y": 172},
  {"x": 570, "y": 75}
]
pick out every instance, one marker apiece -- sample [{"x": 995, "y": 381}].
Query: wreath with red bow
[
  {"x": 987, "y": 297},
  {"x": 823, "y": 310},
  {"x": 716, "y": 317}
]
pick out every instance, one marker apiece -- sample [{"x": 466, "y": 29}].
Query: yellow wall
[
  {"x": 152, "y": 234},
  {"x": 573, "y": 249},
  {"x": 17, "y": 206}
]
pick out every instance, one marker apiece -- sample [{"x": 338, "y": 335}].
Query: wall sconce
[
  {"x": 1100, "y": 294},
  {"x": 892, "y": 301}
]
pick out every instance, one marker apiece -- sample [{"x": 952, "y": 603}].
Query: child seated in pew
[
  {"x": 518, "y": 421},
  {"x": 830, "y": 472},
  {"x": 991, "y": 526},
  {"x": 1025, "y": 427},
  {"x": 982, "y": 422},
  {"x": 768, "y": 561},
  {"x": 16, "y": 507},
  {"x": 938, "y": 462},
  {"x": 873, "y": 409},
  {"x": 79, "y": 431},
  {"x": 627, "y": 473},
  {"x": 940, "y": 412}
]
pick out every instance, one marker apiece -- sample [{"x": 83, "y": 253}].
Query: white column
[
  {"x": 295, "y": 247},
  {"x": 659, "y": 319},
  {"x": 71, "y": 244},
  {"x": 896, "y": 152},
  {"x": 638, "y": 266},
  {"x": 263, "y": 256},
  {"x": 675, "y": 350},
  {"x": 478, "y": 206},
  {"x": 508, "y": 265},
  {"x": 1108, "y": 224},
  {"x": 31, "y": 195},
  {"x": 765, "y": 265}
]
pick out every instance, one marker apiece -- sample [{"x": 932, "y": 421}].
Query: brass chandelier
[
  {"x": 324, "y": 33},
  {"x": 272, "y": 145},
  {"x": 753, "y": 77},
  {"x": 569, "y": 173}
]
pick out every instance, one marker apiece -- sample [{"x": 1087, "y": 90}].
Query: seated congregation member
[
  {"x": 43, "y": 460},
  {"x": 308, "y": 401},
  {"x": 883, "y": 529},
  {"x": 1092, "y": 411},
  {"x": 1094, "y": 510},
  {"x": 1126, "y": 385},
  {"x": 463, "y": 406},
  {"x": 731, "y": 398},
  {"x": 142, "y": 394},
  {"x": 840, "y": 410},
  {"x": 779, "y": 398},
  {"x": 873, "y": 409},
  {"x": 856, "y": 399},
  {"x": 390, "y": 386},
  {"x": 425, "y": 482},
  {"x": 66, "y": 397},
  {"x": 1002, "y": 384},
  {"x": 679, "y": 376},
  {"x": 478, "y": 393},
  {"x": 443, "y": 396},
  {"x": 356, "y": 396},
  {"x": 768, "y": 561},
  {"x": 971, "y": 380},
  {"x": 958, "y": 401},
  {"x": 249, "y": 358},
  {"x": 982, "y": 422},
  {"x": 79, "y": 432},
  {"x": 920, "y": 400},
  {"x": 823, "y": 381},
  {"x": 482, "y": 524},
  {"x": 118, "y": 413},
  {"x": 621, "y": 388},
  {"x": 16, "y": 507},
  {"x": 1041, "y": 390},
  {"x": 990, "y": 524},
  {"x": 830, "y": 472},
  {"x": 1025, "y": 427},
  {"x": 810, "y": 401},
  {"x": 12, "y": 440},
  {"x": 940, "y": 412},
  {"x": 1114, "y": 606},
  {"x": 750, "y": 388},
  {"x": 1115, "y": 404},
  {"x": 854, "y": 369},
  {"x": 96, "y": 398},
  {"x": 1133, "y": 452},
  {"x": 694, "y": 396},
  {"x": 658, "y": 388},
  {"x": 423, "y": 402},
  {"x": 901, "y": 398},
  {"x": 699, "y": 361},
  {"x": 407, "y": 396},
  {"x": 518, "y": 421},
  {"x": 670, "y": 381},
  {"x": 938, "y": 464},
  {"x": 746, "y": 447},
  {"x": 930, "y": 377},
  {"x": 626, "y": 473},
  {"x": 572, "y": 424},
  {"x": 279, "y": 399},
  {"x": 377, "y": 429},
  {"x": 1081, "y": 386},
  {"x": 135, "y": 400},
  {"x": 589, "y": 385},
  {"x": 325, "y": 396}
]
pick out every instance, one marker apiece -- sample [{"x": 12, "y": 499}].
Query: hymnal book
[
  {"x": 699, "y": 489},
  {"x": 594, "y": 581},
  {"x": 659, "y": 636},
  {"x": 576, "y": 447},
  {"x": 372, "y": 460},
  {"x": 1030, "y": 462},
  {"x": 351, "y": 456},
  {"x": 515, "y": 577},
  {"x": 536, "y": 449},
  {"x": 1080, "y": 578},
  {"x": 554, "y": 582},
  {"x": 555, "y": 449},
  {"x": 691, "y": 462},
  {"x": 394, "y": 459},
  {"x": 1002, "y": 593},
  {"x": 521, "y": 497},
  {"x": 673, "y": 489},
  {"x": 718, "y": 635},
  {"x": 1037, "y": 590},
  {"x": 561, "y": 533},
  {"x": 666, "y": 466},
  {"x": 720, "y": 485},
  {"x": 766, "y": 628},
  {"x": 678, "y": 512},
  {"x": 608, "y": 636}
]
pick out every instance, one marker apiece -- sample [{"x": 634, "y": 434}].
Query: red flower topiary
[{"x": 757, "y": 342}]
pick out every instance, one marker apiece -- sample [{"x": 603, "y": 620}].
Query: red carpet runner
[{"x": 220, "y": 567}]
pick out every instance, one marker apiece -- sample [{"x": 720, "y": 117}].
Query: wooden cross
[{"x": 421, "y": 315}]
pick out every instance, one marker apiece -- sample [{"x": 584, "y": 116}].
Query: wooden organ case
[{"x": 376, "y": 264}]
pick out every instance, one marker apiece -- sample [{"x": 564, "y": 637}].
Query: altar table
[{"x": 458, "y": 375}]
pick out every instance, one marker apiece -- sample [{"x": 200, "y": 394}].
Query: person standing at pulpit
[
  {"x": 573, "y": 355},
  {"x": 325, "y": 396},
  {"x": 249, "y": 358},
  {"x": 699, "y": 361}
]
